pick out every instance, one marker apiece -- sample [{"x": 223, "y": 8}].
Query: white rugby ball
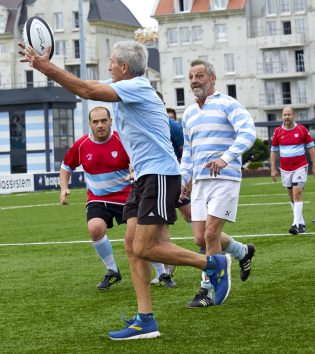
[{"x": 38, "y": 34}]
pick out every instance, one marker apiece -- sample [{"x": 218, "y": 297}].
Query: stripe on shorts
[{"x": 161, "y": 202}]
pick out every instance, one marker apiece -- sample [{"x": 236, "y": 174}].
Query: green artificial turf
[{"x": 49, "y": 302}]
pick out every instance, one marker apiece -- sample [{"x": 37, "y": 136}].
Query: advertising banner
[{"x": 16, "y": 183}]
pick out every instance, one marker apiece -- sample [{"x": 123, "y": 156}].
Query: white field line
[
  {"x": 33, "y": 206},
  {"x": 122, "y": 240},
  {"x": 54, "y": 204}
]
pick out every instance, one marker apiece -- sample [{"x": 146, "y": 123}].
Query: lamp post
[{"x": 83, "y": 71}]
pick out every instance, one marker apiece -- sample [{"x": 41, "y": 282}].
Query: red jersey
[
  {"x": 105, "y": 165},
  {"x": 292, "y": 144}
]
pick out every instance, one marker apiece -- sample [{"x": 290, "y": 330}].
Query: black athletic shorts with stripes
[
  {"x": 105, "y": 211},
  {"x": 153, "y": 199}
]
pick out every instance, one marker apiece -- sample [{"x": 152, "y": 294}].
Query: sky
[{"x": 142, "y": 10}]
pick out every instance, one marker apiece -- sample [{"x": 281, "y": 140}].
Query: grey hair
[
  {"x": 209, "y": 67},
  {"x": 132, "y": 53}
]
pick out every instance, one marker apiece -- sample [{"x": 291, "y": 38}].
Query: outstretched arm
[{"x": 87, "y": 89}]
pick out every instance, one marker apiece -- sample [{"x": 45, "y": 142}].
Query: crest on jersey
[
  {"x": 114, "y": 154},
  {"x": 89, "y": 157},
  {"x": 296, "y": 135}
]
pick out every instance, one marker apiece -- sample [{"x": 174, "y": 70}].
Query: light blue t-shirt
[{"x": 143, "y": 126}]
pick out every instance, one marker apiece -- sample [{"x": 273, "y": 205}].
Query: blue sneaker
[
  {"x": 221, "y": 277},
  {"x": 136, "y": 329}
]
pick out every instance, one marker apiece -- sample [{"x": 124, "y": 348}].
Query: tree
[{"x": 258, "y": 152}]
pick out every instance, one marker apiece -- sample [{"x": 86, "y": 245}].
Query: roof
[
  {"x": 154, "y": 59},
  {"x": 112, "y": 10},
  {"x": 166, "y": 7}
]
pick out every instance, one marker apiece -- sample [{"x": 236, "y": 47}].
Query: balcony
[
  {"x": 273, "y": 102},
  {"x": 281, "y": 41},
  {"x": 280, "y": 70},
  {"x": 73, "y": 57}
]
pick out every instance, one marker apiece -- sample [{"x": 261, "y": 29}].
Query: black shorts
[
  {"x": 152, "y": 200},
  {"x": 105, "y": 211}
]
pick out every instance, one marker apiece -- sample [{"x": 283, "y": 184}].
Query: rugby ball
[{"x": 38, "y": 34}]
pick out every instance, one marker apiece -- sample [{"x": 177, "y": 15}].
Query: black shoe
[
  {"x": 245, "y": 263},
  {"x": 166, "y": 280},
  {"x": 110, "y": 279},
  {"x": 294, "y": 230},
  {"x": 302, "y": 228},
  {"x": 200, "y": 300}
]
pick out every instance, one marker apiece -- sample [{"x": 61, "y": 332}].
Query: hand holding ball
[{"x": 38, "y": 34}]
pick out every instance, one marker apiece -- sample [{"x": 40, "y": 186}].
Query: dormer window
[
  {"x": 219, "y": 5},
  {"x": 2, "y": 24},
  {"x": 183, "y": 5}
]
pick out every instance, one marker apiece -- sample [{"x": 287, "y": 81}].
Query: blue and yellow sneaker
[
  {"x": 219, "y": 272},
  {"x": 136, "y": 329}
]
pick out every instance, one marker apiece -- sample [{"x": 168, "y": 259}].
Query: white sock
[
  {"x": 298, "y": 216},
  {"x": 236, "y": 249},
  {"x": 159, "y": 268},
  {"x": 103, "y": 248}
]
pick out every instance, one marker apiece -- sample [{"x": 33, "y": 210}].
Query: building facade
[
  {"x": 38, "y": 119},
  {"x": 262, "y": 51}
]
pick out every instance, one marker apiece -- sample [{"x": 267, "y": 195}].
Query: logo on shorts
[
  {"x": 227, "y": 212},
  {"x": 89, "y": 157},
  {"x": 151, "y": 214},
  {"x": 299, "y": 177},
  {"x": 114, "y": 154}
]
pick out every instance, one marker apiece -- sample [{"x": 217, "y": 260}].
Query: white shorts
[
  {"x": 216, "y": 197},
  {"x": 294, "y": 178}
]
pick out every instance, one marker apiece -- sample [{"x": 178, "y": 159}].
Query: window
[
  {"x": 17, "y": 142},
  {"x": 60, "y": 47},
  {"x": 196, "y": 33},
  {"x": 299, "y": 60},
  {"x": 268, "y": 62},
  {"x": 271, "y": 28},
  {"x": 270, "y": 89},
  {"x": 286, "y": 92},
  {"x": 184, "y": 35},
  {"x": 3, "y": 48},
  {"x": 76, "y": 46},
  {"x": 203, "y": 57},
  {"x": 302, "y": 115},
  {"x": 271, "y": 7},
  {"x": 2, "y": 24},
  {"x": 300, "y": 25},
  {"x": 220, "y": 33},
  {"x": 299, "y": 6},
  {"x": 283, "y": 61},
  {"x": 301, "y": 91},
  {"x": 92, "y": 72},
  {"x": 63, "y": 133},
  {"x": 29, "y": 78},
  {"x": 184, "y": 5},
  {"x": 285, "y": 7},
  {"x": 286, "y": 27},
  {"x": 76, "y": 22},
  {"x": 229, "y": 63},
  {"x": 219, "y": 4},
  {"x": 58, "y": 21},
  {"x": 231, "y": 90},
  {"x": 178, "y": 66},
  {"x": 180, "y": 97},
  {"x": 271, "y": 117},
  {"x": 172, "y": 36}
]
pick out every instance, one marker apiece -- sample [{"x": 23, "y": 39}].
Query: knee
[{"x": 96, "y": 232}]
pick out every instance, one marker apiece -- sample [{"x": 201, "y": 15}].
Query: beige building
[{"x": 262, "y": 51}]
